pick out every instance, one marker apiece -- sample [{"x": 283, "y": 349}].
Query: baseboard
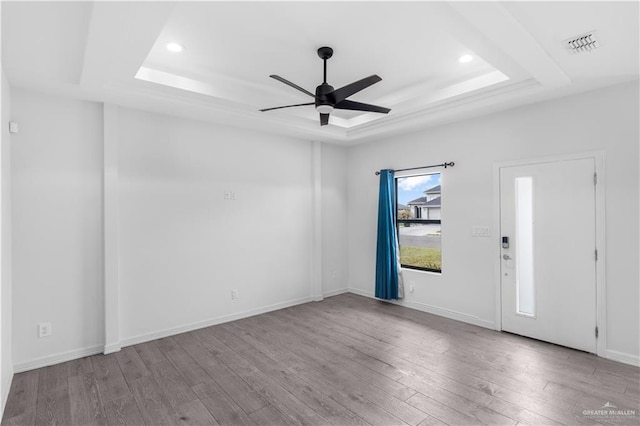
[
  {"x": 335, "y": 292},
  {"x": 435, "y": 310},
  {"x": 623, "y": 357},
  {"x": 362, "y": 293},
  {"x": 447, "y": 313},
  {"x": 112, "y": 348},
  {"x": 48, "y": 360},
  {"x": 93, "y": 350},
  {"x": 212, "y": 321},
  {"x": 6, "y": 387}
]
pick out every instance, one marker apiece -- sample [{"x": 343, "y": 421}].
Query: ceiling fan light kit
[
  {"x": 324, "y": 109},
  {"x": 326, "y": 98}
]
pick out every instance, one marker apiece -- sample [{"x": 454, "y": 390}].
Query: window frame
[{"x": 424, "y": 221}]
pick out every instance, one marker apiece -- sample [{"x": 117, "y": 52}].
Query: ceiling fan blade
[
  {"x": 324, "y": 119},
  {"x": 344, "y": 92},
  {"x": 295, "y": 86},
  {"x": 287, "y": 106},
  {"x": 359, "y": 106}
]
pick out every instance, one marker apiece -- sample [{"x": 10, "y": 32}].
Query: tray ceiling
[{"x": 116, "y": 52}]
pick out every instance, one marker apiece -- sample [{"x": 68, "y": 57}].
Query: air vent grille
[{"x": 583, "y": 43}]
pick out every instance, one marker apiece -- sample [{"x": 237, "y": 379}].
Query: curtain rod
[{"x": 445, "y": 165}]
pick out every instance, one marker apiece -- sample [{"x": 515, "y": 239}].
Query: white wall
[
  {"x": 334, "y": 220},
  {"x": 6, "y": 362},
  {"x": 183, "y": 247},
  {"x": 605, "y": 120},
  {"x": 57, "y": 226}
]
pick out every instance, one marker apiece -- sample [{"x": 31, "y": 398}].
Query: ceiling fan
[{"x": 327, "y": 98}]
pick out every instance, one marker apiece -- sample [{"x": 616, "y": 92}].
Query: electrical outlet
[
  {"x": 227, "y": 195},
  {"x": 412, "y": 287},
  {"x": 234, "y": 293},
  {"x": 44, "y": 329}
]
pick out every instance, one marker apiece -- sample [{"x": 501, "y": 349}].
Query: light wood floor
[{"x": 347, "y": 360}]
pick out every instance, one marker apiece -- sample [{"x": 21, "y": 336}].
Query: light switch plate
[
  {"x": 480, "y": 231},
  {"x": 13, "y": 127}
]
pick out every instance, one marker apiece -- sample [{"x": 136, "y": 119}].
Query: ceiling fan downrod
[{"x": 325, "y": 53}]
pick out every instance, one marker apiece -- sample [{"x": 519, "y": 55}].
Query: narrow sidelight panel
[{"x": 525, "y": 283}]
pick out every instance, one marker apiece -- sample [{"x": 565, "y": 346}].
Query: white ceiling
[{"x": 116, "y": 52}]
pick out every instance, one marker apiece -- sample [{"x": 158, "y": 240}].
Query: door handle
[{"x": 506, "y": 257}]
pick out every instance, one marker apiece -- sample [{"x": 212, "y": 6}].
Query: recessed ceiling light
[
  {"x": 465, "y": 58},
  {"x": 175, "y": 47}
]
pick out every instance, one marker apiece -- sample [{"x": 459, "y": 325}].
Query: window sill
[{"x": 420, "y": 271}]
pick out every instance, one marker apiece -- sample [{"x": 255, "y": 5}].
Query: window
[
  {"x": 418, "y": 221},
  {"x": 525, "y": 284}
]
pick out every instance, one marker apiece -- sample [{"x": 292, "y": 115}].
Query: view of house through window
[{"x": 418, "y": 220}]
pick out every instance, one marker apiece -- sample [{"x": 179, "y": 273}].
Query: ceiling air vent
[{"x": 583, "y": 43}]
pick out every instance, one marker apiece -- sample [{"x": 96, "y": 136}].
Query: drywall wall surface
[
  {"x": 56, "y": 165},
  {"x": 334, "y": 223},
  {"x": 203, "y": 210},
  {"x": 604, "y": 120},
  {"x": 6, "y": 361}
]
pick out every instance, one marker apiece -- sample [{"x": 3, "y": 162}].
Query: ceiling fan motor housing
[{"x": 324, "y": 95}]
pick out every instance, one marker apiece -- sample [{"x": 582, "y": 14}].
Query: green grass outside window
[{"x": 421, "y": 257}]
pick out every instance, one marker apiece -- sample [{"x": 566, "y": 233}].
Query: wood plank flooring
[{"x": 347, "y": 360}]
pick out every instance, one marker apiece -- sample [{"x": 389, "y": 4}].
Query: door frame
[{"x": 601, "y": 303}]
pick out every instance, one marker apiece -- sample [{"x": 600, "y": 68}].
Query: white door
[{"x": 548, "y": 271}]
